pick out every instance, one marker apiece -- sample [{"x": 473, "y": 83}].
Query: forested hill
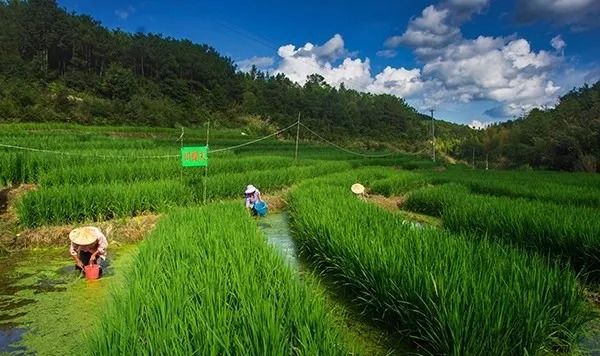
[
  {"x": 566, "y": 137},
  {"x": 57, "y": 66}
]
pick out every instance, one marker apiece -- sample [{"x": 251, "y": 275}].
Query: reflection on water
[
  {"x": 9, "y": 335},
  {"x": 277, "y": 229},
  {"x": 590, "y": 342}
]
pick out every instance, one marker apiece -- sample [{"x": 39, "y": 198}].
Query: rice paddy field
[{"x": 435, "y": 259}]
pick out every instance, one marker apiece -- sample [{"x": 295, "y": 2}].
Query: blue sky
[{"x": 473, "y": 61}]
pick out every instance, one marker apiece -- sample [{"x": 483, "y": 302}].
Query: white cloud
[
  {"x": 124, "y": 14},
  {"x": 479, "y": 125},
  {"x": 355, "y": 73},
  {"x": 463, "y": 9},
  {"x": 456, "y": 69},
  {"x": 387, "y": 53},
  {"x": 580, "y": 13},
  {"x": 330, "y": 51},
  {"x": 400, "y": 82},
  {"x": 261, "y": 63},
  {"x": 430, "y": 30},
  {"x": 558, "y": 44}
]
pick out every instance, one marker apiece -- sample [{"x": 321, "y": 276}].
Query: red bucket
[{"x": 92, "y": 272}]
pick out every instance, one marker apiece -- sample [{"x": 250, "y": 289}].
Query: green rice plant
[
  {"x": 77, "y": 203},
  {"x": 562, "y": 178},
  {"x": 404, "y": 161},
  {"x": 548, "y": 192},
  {"x": 453, "y": 295},
  {"x": 28, "y": 167},
  {"x": 206, "y": 283},
  {"x": 572, "y": 233},
  {"x": 8, "y": 168},
  {"x": 365, "y": 175},
  {"x": 562, "y": 188},
  {"x": 399, "y": 183},
  {"x": 433, "y": 200},
  {"x": 143, "y": 170},
  {"x": 231, "y": 185},
  {"x": 65, "y": 204}
]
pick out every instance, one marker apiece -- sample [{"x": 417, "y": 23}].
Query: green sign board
[{"x": 194, "y": 156}]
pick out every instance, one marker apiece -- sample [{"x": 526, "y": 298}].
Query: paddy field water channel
[{"x": 364, "y": 336}]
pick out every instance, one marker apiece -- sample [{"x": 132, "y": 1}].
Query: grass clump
[
  {"x": 451, "y": 294},
  {"x": 206, "y": 283}
]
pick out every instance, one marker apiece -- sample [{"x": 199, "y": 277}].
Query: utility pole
[
  {"x": 181, "y": 166},
  {"x": 297, "y": 137},
  {"x": 473, "y": 160},
  {"x": 206, "y": 167},
  {"x": 433, "y": 135}
]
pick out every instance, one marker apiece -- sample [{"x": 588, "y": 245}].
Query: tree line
[{"x": 566, "y": 137}]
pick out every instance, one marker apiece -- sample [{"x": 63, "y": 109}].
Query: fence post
[
  {"x": 297, "y": 137},
  {"x": 206, "y": 167},
  {"x": 181, "y": 166}
]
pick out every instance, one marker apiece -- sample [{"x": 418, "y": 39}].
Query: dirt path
[
  {"x": 388, "y": 203},
  {"x": 3, "y": 200},
  {"x": 395, "y": 203}
]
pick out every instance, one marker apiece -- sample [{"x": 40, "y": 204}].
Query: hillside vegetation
[{"x": 59, "y": 66}]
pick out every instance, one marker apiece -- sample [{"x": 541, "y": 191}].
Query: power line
[
  {"x": 63, "y": 153},
  {"x": 253, "y": 141},
  {"x": 295, "y": 124},
  {"x": 344, "y": 149}
]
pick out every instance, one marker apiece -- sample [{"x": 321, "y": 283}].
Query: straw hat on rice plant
[
  {"x": 83, "y": 236},
  {"x": 357, "y": 188}
]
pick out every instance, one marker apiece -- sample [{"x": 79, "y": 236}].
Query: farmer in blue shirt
[{"x": 252, "y": 197}]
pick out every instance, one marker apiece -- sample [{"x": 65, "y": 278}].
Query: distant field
[{"x": 505, "y": 274}]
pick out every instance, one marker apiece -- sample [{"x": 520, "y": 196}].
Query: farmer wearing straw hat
[
  {"x": 88, "y": 246},
  {"x": 358, "y": 189},
  {"x": 252, "y": 197}
]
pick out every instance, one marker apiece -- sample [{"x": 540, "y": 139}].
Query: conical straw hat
[
  {"x": 357, "y": 188},
  {"x": 83, "y": 236}
]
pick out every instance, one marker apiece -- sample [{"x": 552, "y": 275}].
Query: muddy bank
[
  {"x": 119, "y": 231},
  {"x": 13, "y": 237}
]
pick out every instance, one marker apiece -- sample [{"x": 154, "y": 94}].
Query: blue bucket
[{"x": 261, "y": 208}]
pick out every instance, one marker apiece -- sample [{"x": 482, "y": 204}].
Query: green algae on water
[{"x": 64, "y": 307}]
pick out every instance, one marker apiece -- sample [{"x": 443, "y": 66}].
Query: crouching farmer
[
  {"x": 88, "y": 246},
  {"x": 252, "y": 197}
]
